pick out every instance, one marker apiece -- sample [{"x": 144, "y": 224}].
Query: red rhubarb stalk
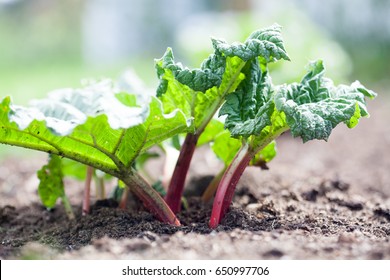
[
  {"x": 225, "y": 191},
  {"x": 151, "y": 199},
  {"x": 176, "y": 185}
]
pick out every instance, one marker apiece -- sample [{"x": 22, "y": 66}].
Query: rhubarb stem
[
  {"x": 225, "y": 192},
  {"x": 151, "y": 199},
  {"x": 176, "y": 185},
  {"x": 87, "y": 191}
]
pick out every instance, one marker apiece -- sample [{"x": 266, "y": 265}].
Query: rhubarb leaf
[
  {"x": 64, "y": 109},
  {"x": 249, "y": 108},
  {"x": 266, "y": 43},
  {"x": 197, "y": 102},
  {"x": 212, "y": 130},
  {"x": 315, "y": 106},
  {"x": 200, "y": 92},
  {"x": 88, "y": 130},
  {"x": 209, "y": 75},
  {"x": 51, "y": 186},
  {"x": 225, "y": 147}
]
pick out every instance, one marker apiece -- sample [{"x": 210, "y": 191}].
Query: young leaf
[
  {"x": 249, "y": 107},
  {"x": 212, "y": 130},
  {"x": 51, "y": 186},
  {"x": 266, "y": 43}
]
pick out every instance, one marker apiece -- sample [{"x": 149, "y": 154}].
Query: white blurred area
[{"x": 114, "y": 30}]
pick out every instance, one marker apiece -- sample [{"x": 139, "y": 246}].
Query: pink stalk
[
  {"x": 225, "y": 192},
  {"x": 176, "y": 186},
  {"x": 87, "y": 191},
  {"x": 151, "y": 199}
]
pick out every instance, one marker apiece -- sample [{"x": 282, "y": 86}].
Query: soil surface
[{"x": 320, "y": 200}]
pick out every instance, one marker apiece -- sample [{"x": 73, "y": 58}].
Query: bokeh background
[{"x": 49, "y": 44}]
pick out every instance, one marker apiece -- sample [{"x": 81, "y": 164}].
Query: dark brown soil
[
  {"x": 318, "y": 201},
  {"x": 35, "y": 223}
]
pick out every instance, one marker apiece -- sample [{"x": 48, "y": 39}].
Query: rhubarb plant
[
  {"x": 99, "y": 126},
  {"x": 199, "y": 93},
  {"x": 257, "y": 113}
]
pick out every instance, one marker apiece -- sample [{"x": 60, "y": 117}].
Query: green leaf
[
  {"x": 51, "y": 186},
  {"x": 225, "y": 147},
  {"x": 209, "y": 75},
  {"x": 249, "y": 108},
  {"x": 64, "y": 109},
  {"x": 212, "y": 130},
  {"x": 89, "y": 130},
  {"x": 315, "y": 106},
  {"x": 354, "y": 120},
  {"x": 197, "y": 102},
  {"x": 200, "y": 92},
  {"x": 266, "y": 43}
]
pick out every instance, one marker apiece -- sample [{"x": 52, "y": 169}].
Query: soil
[{"x": 320, "y": 200}]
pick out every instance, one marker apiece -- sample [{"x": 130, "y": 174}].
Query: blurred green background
[{"x": 49, "y": 44}]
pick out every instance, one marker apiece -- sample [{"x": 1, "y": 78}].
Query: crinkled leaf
[
  {"x": 249, "y": 108},
  {"x": 266, "y": 43},
  {"x": 51, "y": 186},
  {"x": 93, "y": 142},
  {"x": 315, "y": 106},
  {"x": 209, "y": 75},
  {"x": 197, "y": 103},
  {"x": 200, "y": 92}
]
